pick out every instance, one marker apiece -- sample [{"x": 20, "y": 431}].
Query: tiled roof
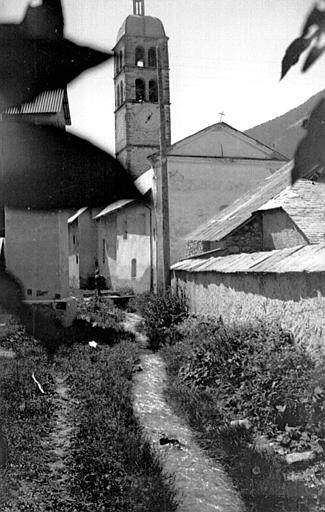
[
  {"x": 304, "y": 202},
  {"x": 240, "y": 211},
  {"x": 307, "y": 258}
]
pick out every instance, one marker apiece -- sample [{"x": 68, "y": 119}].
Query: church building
[{"x": 206, "y": 171}]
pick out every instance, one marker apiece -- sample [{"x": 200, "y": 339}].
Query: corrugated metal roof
[
  {"x": 113, "y": 207},
  {"x": 307, "y": 258},
  {"x": 241, "y": 210},
  {"x": 48, "y": 102},
  {"x": 304, "y": 202},
  {"x": 77, "y": 214}
]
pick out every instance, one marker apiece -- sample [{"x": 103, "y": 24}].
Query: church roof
[
  {"x": 221, "y": 140},
  {"x": 147, "y": 26}
]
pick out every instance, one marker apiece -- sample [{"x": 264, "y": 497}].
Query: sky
[{"x": 225, "y": 56}]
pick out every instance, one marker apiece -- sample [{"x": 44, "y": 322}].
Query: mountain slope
[{"x": 283, "y": 133}]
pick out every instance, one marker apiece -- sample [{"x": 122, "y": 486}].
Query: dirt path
[
  {"x": 201, "y": 484},
  {"x": 59, "y": 440}
]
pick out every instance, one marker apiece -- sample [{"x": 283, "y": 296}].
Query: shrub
[
  {"x": 161, "y": 313},
  {"x": 220, "y": 373}
]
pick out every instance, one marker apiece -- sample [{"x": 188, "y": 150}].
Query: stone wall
[
  {"x": 295, "y": 300},
  {"x": 248, "y": 238}
]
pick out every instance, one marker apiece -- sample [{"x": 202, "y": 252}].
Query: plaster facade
[
  {"x": 199, "y": 187},
  {"x": 37, "y": 251},
  {"x": 125, "y": 252}
]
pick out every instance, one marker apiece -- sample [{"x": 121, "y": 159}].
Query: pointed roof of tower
[{"x": 138, "y": 25}]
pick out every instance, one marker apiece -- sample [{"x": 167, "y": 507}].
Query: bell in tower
[{"x": 137, "y": 113}]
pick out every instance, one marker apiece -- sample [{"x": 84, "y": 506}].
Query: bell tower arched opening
[{"x": 137, "y": 113}]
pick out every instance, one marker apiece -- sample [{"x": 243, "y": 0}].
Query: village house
[
  {"x": 82, "y": 232},
  {"x": 36, "y": 241},
  {"x": 268, "y": 245},
  {"x": 274, "y": 215}
]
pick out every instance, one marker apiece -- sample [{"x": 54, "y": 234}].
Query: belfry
[{"x": 137, "y": 117}]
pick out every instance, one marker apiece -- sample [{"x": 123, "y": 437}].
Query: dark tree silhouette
[
  {"x": 43, "y": 167},
  {"x": 310, "y": 153},
  {"x": 36, "y": 57}
]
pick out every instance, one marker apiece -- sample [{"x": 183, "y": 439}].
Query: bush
[
  {"x": 161, "y": 313},
  {"x": 221, "y": 373}
]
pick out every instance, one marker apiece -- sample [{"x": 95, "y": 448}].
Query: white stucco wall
[
  {"x": 123, "y": 236},
  {"x": 37, "y": 251},
  {"x": 200, "y": 187}
]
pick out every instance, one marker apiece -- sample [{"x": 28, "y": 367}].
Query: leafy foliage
[
  {"x": 310, "y": 155},
  {"x": 311, "y": 36},
  {"x": 222, "y": 373},
  {"x": 161, "y": 313}
]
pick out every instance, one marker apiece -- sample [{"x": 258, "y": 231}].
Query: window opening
[
  {"x": 138, "y": 7},
  {"x": 139, "y": 56},
  {"x": 140, "y": 90},
  {"x": 133, "y": 268},
  {"x": 152, "y": 58},
  {"x": 122, "y": 92},
  {"x": 125, "y": 229},
  {"x": 153, "y": 91},
  {"x": 103, "y": 250},
  {"x": 121, "y": 59},
  {"x": 118, "y": 100}
]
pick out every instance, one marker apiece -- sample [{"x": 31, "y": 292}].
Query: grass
[{"x": 111, "y": 466}]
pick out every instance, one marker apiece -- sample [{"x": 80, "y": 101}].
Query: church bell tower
[{"x": 137, "y": 113}]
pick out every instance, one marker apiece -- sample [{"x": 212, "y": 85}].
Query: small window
[
  {"x": 116, "y": 63},
  {"x": 139, "y": 56},
  {"x": 133, "y": 268},
  {"x": 121, "y": 59},
  {"x": 152, "y": 59},
  {"x": 125, "y": 229},
  {"x": 103, "y": 250},
  {"x": 77, "y": 259},
  {"x": 122, "y": 92},
  {"x": 118, "y": 101},
  {"x": 140, "y": 90},
  {"x": 153, "y": 91},
  {"x": 74, "y": 239},
  {"x": 29, "y": 291}
]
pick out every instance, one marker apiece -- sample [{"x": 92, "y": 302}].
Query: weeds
[
  {"x": 161, "y": 313},
  {"x": 219, "y": 373}
]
